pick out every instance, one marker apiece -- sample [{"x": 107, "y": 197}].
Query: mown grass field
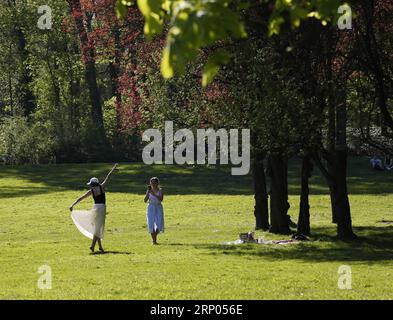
[{"x": 204, "y": 207}]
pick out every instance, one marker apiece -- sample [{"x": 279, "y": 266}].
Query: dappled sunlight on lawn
[{"x": 204, "y": 208}]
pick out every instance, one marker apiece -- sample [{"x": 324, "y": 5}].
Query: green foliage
[
  {"x": 179, "y": 99},
  {"x": 52, "y": 68},
  {"x": 110, "y": 119},
  {"x": 212, "y": 66},
  {"x": 193, "y": 25},
  {"x": 299, "y": 10},
  {"x": 22, "y": 142},
  {"x": 121, "y": 8},
  {"x": 197, "y": 24},
  {"x": 151, "y": 11},
  {"x": 263, "y": 95}
]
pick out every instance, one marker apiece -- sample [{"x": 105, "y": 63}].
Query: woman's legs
[
  {"x": 93, "y": 243},
  {"x": 100, "y": 245},
  {"x": 154, "y": 237}
]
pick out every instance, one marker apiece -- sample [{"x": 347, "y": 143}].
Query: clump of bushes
[{"x": 22, "y": 142}]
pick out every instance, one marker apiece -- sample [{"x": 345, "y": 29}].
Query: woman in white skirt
[
  {"x": 155, "y": 212},
  {"x": 91, "y": 223}
]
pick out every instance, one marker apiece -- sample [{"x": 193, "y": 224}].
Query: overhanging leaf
[
  {"x": 216, "y": 59},
  {"x": 121, "y": 9},
  {"x": 166, "y": 66}
]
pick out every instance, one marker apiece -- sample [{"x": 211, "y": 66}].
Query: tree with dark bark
[
  {"x": 373, "y": 30},
  {"x": 261, "y": 209},
  {"x": 24, "y": 95},
  {"x": 83, "y": 25},
  {"x": 279, "y": 205},
  {"x": 303, "y": 224}
]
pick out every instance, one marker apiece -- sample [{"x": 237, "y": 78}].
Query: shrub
[{"x": 25, "y": 143}]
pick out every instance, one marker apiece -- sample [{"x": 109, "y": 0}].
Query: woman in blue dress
[{"x": 155, "y": 212}]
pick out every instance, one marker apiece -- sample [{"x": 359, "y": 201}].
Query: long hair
[{"x": 155, "y": 179}]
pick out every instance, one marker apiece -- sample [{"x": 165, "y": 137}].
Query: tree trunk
[
  {"x": 114, "y": 70},
  {"x": 88, "y": 55},
  {"x": 332, "y": 184},
  {"x": 26, "y": 97},
  {"x": 261, "y": 208},
  {"x": 303, "y": 225},
  {"x": 10, "y": 93},
  {"x": 336, "y": 177},
  {"x": 336, "y": 173},
  {"x": 374, "y": 63},
  {"x": 278, "y": 166},
  {"x": 56, "y": 96},
  {"x": 344, "y": 222},
  {"x": 74, "y": 91},
  {"x": 332, "y": 130},
  {"x": 342, "y": 207},
  {"x": 91, "y": 78}
]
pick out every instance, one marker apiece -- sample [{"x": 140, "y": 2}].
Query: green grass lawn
[{"x": 204, "y": 207}]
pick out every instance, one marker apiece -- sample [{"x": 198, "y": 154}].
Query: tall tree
[
  {"x": 303, "y": 224},
  {"x": 24, "y": 94},
  {"x": 83, "y": 20},
  {"x": 261, "y": 209},
  {"x": 373, "y": 30}
]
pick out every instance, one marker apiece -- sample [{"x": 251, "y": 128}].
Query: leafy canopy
[{"x": 197, "y": 24}]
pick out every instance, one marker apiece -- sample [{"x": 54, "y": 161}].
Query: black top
[{"x": 100, "y": 198}]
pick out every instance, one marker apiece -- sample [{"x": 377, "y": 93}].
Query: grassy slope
[{"x": 204, "y": 208}]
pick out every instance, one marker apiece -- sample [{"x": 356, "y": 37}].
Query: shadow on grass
[
  {"x": 109, "y": 252},
  {"x": 179, "y": 180},
  {"x": 375, "y": 244},
  {"x": 9, "y": 192},
  {"x": 131, "y": 178}
]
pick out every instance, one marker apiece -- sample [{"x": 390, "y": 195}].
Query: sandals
[{"x": 101, "y": 249}]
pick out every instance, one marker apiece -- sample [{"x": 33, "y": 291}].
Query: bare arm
[
  {"x": 88, "y": 193},
  {"x": 146, "y": 196},
  {"x": 109, "y": 175}
]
